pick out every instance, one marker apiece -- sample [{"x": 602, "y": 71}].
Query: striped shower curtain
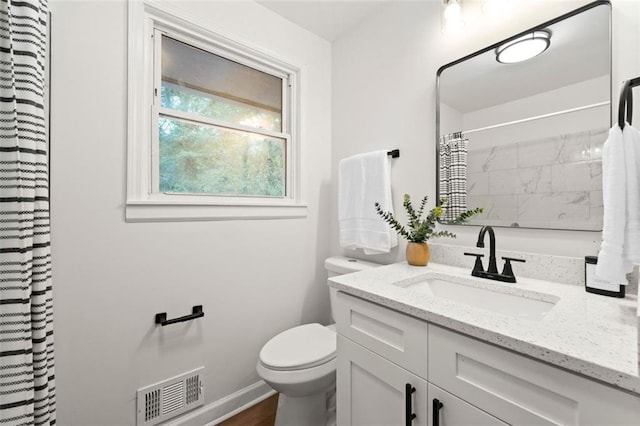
[
  {"x": 27, "y": 385},
  {"x": 453, "y": 174}
]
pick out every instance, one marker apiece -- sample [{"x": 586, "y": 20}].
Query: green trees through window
[
  {"x": 200, "y": 158},
  {"x": 220, "y": 128}
]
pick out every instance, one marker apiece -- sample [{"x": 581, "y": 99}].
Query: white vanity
[{"x": 456, "y": 350}]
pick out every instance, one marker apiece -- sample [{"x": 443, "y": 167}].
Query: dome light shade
[{"x": 523, "y": 48}]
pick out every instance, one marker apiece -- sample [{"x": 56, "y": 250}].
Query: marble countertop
[{"x": 596, "y": 336}]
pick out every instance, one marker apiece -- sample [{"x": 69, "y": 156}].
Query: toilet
[{"x": 300, "y": 363}]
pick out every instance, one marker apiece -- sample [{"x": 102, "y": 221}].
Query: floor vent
[{"x": 171, "y": 397}]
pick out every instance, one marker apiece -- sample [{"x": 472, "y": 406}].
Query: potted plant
[{"x": 418, "y": 230}]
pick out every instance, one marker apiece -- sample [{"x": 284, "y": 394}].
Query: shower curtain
[
  {"x": 27, "y": 384},
  {"x": 453, "y": 174}
]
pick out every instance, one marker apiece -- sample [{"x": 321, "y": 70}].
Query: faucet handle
[
  {"x": 514, "y": 259},
  {"x": 477, "y": 266},
  {"x": 507, "y": 271}
]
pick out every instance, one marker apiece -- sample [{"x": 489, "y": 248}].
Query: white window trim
[{"x": 142, "y": 204}]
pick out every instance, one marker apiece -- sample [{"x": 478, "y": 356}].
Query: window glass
[
  {"x": 197, "y": 158},
  {"x": 219, "y": 126},
  {"x": 200, "y": 82}
]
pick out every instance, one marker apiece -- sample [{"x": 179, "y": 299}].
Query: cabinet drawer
[
  {"x": 395, "y": 336},
  {"x": 520, "y": 390},
  {"x": 456, "y": 412}
]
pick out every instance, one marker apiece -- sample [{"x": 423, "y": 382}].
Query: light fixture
[
  {"x": 523, "y": 48},
  {"x": 452, "y": 20}
]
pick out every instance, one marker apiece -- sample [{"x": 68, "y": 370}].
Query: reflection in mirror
[{"x": 523, "y": 140}]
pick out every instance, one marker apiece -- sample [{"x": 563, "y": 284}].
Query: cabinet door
[
  {"x": 447, "y": 410},
  {"x": 372, "y": 391}
]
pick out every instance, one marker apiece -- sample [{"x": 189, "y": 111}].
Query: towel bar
[
  {"x": 196, "y": 312},
  {"x": 625, "y": 104},
  {"x": 394, "y": 153}
]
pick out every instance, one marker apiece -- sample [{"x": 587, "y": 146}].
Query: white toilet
[{"x": 300, "y": 363}]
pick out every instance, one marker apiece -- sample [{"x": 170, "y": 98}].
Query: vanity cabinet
[{"x": 381, "y": 351}]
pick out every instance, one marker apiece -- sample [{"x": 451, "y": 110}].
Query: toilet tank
[{"x": 340, "y": 265}]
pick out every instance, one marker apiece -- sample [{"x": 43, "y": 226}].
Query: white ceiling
[
  {"x": 326, "y": 18},
  {"x": 567, "y": 61}
]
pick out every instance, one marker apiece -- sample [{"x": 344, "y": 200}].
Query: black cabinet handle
[
  {"x": 437, "y": 405},
  {"x": 409, "y": 415},
  {"x": 196, "y": 312}
]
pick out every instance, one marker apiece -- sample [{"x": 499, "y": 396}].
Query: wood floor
[{"x": 261, "y": 414}]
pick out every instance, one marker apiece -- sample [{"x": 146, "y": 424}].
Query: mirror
[{"x": 524, "y": 140}]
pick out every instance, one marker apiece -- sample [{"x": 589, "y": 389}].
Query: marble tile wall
[{"x": 554, "y": 182}]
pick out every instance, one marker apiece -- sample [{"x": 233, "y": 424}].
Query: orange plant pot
[{"x": 418, "y": 254}]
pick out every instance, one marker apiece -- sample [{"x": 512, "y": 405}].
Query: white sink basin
[{"x": 532, "y": 307}]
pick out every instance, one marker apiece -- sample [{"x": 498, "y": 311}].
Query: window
[
  {"x": 220, "y": 127},
  {"x": 221, "y": 139}
]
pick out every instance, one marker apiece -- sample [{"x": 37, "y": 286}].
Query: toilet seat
[{"x": 299, "y": 348}]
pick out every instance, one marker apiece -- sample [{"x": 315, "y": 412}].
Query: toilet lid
[{"x": 300, "y": 347}]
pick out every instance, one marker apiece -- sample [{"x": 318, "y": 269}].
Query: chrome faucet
[{"x": 492, "y": 270}]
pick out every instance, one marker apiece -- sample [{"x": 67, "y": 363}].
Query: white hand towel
[
  {"x": 620, "y": 246},
  {"x": 631, "y": 138},
  {"x": 363, "y": 180}
]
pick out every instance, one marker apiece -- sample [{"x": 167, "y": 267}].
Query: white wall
[
  {"x": 450, "y": 119},
  {"x": 254, "y": 278},
  {"x": 384, "y": 74}
]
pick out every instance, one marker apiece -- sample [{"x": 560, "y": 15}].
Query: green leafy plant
[{"x": 419, "y": 229}]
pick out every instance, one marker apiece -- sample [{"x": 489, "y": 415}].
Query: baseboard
[{"x": 224, "y": 408}]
